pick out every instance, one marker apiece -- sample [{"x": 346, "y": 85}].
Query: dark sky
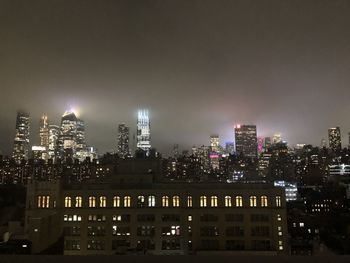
[{"x": 198, "y": 66}]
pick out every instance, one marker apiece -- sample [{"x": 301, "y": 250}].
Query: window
[
  {"x": 116, "y": 201},
  {"x": 72, "y": 245},
  {"x": 121, "y": 218},
  {"x": 95, "y": 245},
  {"x": 209, "y": 231},
  {"x": 209, "y": 218},
  {"x": 151, "y": 201},
  {"x": 203, "y": 201},
  {"x": 189, "y": 201},
  {"x": 146, "y": 218},
  {"x": 234, "y": 217},
  {"x": 43, "y": 201},
  {"x": 228, "y": 201},
  {"x": 264, "y": 201},
  {"x": 78, "y": 201},
  {"x": 72, "y": 218},
  {"x": 176, "y": 201},
  {"x": 165, "y": 201},
  {"x": 252, "y": 201},
  {"x": 120, "y": 231},
  {"x": 214, "y": 201},
  {"x": 279, "y": 218},
  {"x": 140, "y": 201},
  {"x": 67, "y": 201},
  {"x": 189, "y": 218},
  {"x": 170, "y": 230},
  {"x": 103, "y": 201},
  {"x": 39, "y": 201},
  {"x": 92, "y": 201},
  {"x": 145, "y": 230},
  {"x": 278, "y": 201},
  {"x": 235, "y": 231},
  {"x": 47, "y": 201},
  {"x": 127, "y": 201},
  {"x": 239, "y": 201}
]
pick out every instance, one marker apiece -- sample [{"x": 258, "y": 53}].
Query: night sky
[{"x": 198, "y": 66}]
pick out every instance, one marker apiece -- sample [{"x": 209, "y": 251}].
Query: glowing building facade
[
  {"x": 54, "y": 132},
  {"x": 334, "y": 138},
  {"x": 21, "y": 142},
  {"x": 44, "y": 135},
  {"x": 143, "y": 131},
  {"x": 246, "y": 140},
  {"x": 123, "y": 140}
]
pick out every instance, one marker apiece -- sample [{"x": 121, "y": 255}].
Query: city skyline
[{"x": 276, "y": 65}]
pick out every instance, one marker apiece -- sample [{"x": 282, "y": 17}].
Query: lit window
[
  {"x": 264, "y": 201},
  {"x": 127, "y": 201},
  {"x": 78, "y": 201},
  {"x": 203, "y": 201},
  {"x": 176, "y": 201},
  {"x": 165, "y": 201},
  {"x": 278, "y": 201},
  {"x": 189, "y": 201},
  {"x": 67, "y": 201},
  {"x": 228, "y": 201},
  {"x": 279, "y": 218},
  {"x": 103, "y": 201},
  {"x": 92, "y": 201},
  {"x": 151, "y": 201},
  {"x": 239, "y": 201},
  {"x": 140, "y": 201},
  {"x": 214, "y": 201},
  {"x": 252, "y": 201},
  {"x": 116, "y": 201},
  {"x": 47, "y": 201},
  {"x": 301, "y": 224},
  {"x": 39, "y": 201},
  {"x": 189, "y": 218}
]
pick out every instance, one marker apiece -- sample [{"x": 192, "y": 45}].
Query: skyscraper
[
  {"x": 277, "y": 138},
  {"x": 246, "y": 140},
  {"x": 143, "y": 131},
  {"x": 214, "y": 143},
  {"x": 21, "y": 142},
  {"x": 44, "y": 136},
  {"x": 123, "y": 140},
  {"x": 54, "y": 132},
  {"x": 334, "y": 138}
]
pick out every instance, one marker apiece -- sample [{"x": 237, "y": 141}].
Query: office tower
[
  {"x": 39, "y": 153},
  {"x": 44, "y": 136},
  {"x": 123, "y": 141},
  {"x": 54, "y": 132},
  {"x": 230, "y": 148},
  {"x": 246, "y": 140},
  {"x": 143, "y": 131},
  {"x": 277, "y": 138},
  {"x": 21, "y": 142},
  {"x": 80, "y": 138},
  {"x": 214, "y": 143},
  {"x": 267, "y": 143},
  {"x": 203, "y": 156},
  {"x": 334, "y": 138},
  {"x": 260, "y": 144}
]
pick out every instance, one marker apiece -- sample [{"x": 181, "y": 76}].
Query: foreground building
[{"x": 138, "y": 213}]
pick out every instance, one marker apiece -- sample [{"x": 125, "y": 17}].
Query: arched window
[
  {"x": 116, "y": 201},
  {"x": 252, "y": 201},
  {"x": 151, "y": 201},
  {"x": 239, "y": 201},
  {"x": 127, "y": 201},
  {"x": 78, "y": 201},
  {"x": 278, "y": 201},
  {"x": 203, "y": 201},
  {"x": 176, "y": 201},
  {"x": 264, "y": 201},
  {"x": 92, "y": 201},
  {"x": 214, "y": 201},
  {"x": 39, "y": 201},
  {"x": 67, "y": 201},
  {"x": 189, "y": 201},
  {"x": 228, "y": 201},
  {"x": 47, "y": 201},
  {"x": 140, "y": 201},
  {"x": 165, "y": 201},
  {"x": 103, "y": 201}
]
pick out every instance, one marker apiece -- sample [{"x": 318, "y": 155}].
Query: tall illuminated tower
[
  {"x": 54, "y": 132},
  {"x": 215, "y": 143},
  {"x": 21, "y": 142},
  {"x": 143, "y": 136},
  {"x": 334, "y": 138},
  {"x": 44, "y": 135},
  {"x": 246, "y": 140},
  {"x": 123, "y": 140}
]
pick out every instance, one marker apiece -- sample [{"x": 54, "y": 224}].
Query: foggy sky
[{"x": 198, "y": 66}]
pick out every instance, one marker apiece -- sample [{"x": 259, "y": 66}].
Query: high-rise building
[
  {"x": 21, "y": 142},
  {"x": 267, "y": 143},
  {"x": 214, "y": 143},
  {"x": 230, "y": 148},
  {"x": 123, "y": 141},
  {"x": 277, "y": 138},
  {"x": 246, "y": 140},
  {"x": 143, "y": 131},
  {"x": 54, "y": 132},
  {"x": 80, "y": 139},
  {"x": 334, "y": 138},
  {"x": 260, "y": 144},
  {"x": 44, "y": 135}
]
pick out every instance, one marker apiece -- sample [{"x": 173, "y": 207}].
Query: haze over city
[{"x": 198, "y": 68}]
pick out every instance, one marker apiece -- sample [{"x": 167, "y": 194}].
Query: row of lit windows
[{"x": 167, "y": 201}]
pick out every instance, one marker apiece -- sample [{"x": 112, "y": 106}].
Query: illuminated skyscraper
[
  {"x": 215, "y": 143},
  {"x": 54, "y": 132},
  {"x": 21, "y": 142},
  {"x": 277, "y": 138},
  {"x": 143, "y": 131},
  {"x": 80, "y": 138},
  {"x": 334, "y": 138},
  {"x": 246, "y": 140},
  {"x": 260, "y": 144},
  {"x": 230, "y": 148},
  {"x": 123, "y": 141},
  {"x": 267, "y": 143},
  {"x": 44, "y": 136}
]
